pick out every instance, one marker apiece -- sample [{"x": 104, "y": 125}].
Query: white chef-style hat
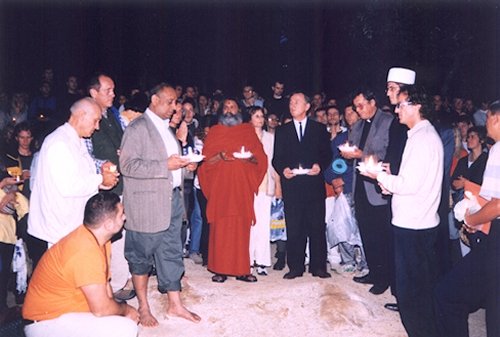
[{"x": 401, "y": 75}]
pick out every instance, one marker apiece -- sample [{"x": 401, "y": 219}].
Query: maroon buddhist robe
[{"x": 230, "y": 187}]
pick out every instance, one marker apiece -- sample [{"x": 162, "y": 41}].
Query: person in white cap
[{"x": 399, "y": 80}]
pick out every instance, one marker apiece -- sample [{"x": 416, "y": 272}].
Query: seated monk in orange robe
[{"x": 229, "y": 185}]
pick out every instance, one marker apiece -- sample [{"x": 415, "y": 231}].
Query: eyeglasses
[
  {"x": 272, "y": 119},
  {"x": 391, "y": 89},
  {"x": 403, "y": 104}
]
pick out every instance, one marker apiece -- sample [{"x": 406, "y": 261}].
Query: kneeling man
[{"x": 69, "y": 293}]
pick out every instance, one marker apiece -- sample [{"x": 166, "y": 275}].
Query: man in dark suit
[
  {"x": 301, "y": 153},
  {"x": 106, "y": 141},
  {"x": 371, "y": 136}
]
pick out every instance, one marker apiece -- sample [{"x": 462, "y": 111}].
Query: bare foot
[
  {"x": 182, "y": 312},
  {"x": 146, "y": 318}
]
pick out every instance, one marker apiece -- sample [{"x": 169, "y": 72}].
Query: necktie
[{"x": 300, "y": 131}]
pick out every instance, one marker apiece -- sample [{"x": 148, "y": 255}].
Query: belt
[{"x": 176, "y": 189}]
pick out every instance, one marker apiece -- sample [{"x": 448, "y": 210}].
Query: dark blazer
[
  {"x": 106, "y": 141},
  {"x": 289, "y": 152},
  {"x": 376, "y": 144},
  {"x": 473, "y": 173}
]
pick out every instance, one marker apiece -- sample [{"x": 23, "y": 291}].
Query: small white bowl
[
  {"x": 362, "y": 167},
  {"x": 300, "y": 171},
  {"x": 194, "y": 158},
  {"x": 242, "y": 155},
  {"x": 347, "y": 148}
]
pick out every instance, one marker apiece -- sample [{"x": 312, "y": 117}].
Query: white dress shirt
[
  {"x": 65, "y": 179},
  {"x": 297, "y": 127},
  {"x": 171, "y": 143}
]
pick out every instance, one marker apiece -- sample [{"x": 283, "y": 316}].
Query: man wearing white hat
[{"x": 398, "y": 82}]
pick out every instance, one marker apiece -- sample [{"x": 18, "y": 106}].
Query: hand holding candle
[
  {"x": 346, "y": 147},
  {"x": 243, "y": 154},
  {"x": 370, "y": 167}
]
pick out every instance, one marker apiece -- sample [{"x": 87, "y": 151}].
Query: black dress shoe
[
  {"x": 367, "y": 279},
  {"x": 391, "y": 306},
  {"x": 378, "y": 289},
  {"x": 279, "y": 265},
  {"x": 321, "y": 274},
  {"x": 291, "y": 275}
]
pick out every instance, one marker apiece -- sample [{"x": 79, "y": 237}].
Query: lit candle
[
  {"x": 242, "y": 149},
  {"x": 371, "y": 163},
  {"x": 300, "y": 167}
]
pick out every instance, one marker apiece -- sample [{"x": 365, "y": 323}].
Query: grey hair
[{"x": 228, "y": 119}]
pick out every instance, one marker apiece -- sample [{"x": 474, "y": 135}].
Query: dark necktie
[{"x": 300, "y": 131}]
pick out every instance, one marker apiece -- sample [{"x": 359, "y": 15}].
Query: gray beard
[{"x": 228, "y": 119}]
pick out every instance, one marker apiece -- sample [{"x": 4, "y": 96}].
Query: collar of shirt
[
  {"x": 297, "y": 127},
  {"x": 420, "y": 125},
  {"x": 161, "y": 124}
]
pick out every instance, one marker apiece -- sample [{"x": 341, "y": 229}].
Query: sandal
[
  {"x": 261, "y": 270},
  {"x": 124, "y": 294},
  {"x": 218, "y": 278},
  {"x": 247, "y": 278}
]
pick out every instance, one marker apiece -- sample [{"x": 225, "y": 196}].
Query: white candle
[
  {"x": 242, "y": 149},
  {"x": 371, "y": 163}
]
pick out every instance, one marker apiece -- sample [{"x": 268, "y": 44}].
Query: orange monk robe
[{"x": 229, "y": 187}]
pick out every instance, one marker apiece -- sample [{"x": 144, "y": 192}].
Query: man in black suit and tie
[{"x": 301, "y": 152}]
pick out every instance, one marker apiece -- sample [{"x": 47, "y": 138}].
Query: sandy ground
[{"x": 306, "y": 306}]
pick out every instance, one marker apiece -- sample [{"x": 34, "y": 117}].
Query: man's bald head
[{"x": 85, "y": 116}]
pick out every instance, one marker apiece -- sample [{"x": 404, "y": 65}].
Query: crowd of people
[{"x": 368, "y": 187}]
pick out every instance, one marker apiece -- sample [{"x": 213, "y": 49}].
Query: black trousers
[
  {"x": 416, "y": 273},
  {"x": 377, "y": 236},
  {"x": 36, "y": 249},
  {"x": 473, "y": 283},
  {"x": 205, "y": 229},
  {"x": 304, "y": 220},
  {"x": 6, "y": 253},
  {"x": 188, "y": 206}
]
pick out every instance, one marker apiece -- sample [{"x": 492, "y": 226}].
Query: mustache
[{"x": 228, "y": 119}]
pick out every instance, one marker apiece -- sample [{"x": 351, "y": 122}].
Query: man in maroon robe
[{"x": 229, "y": 183}]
